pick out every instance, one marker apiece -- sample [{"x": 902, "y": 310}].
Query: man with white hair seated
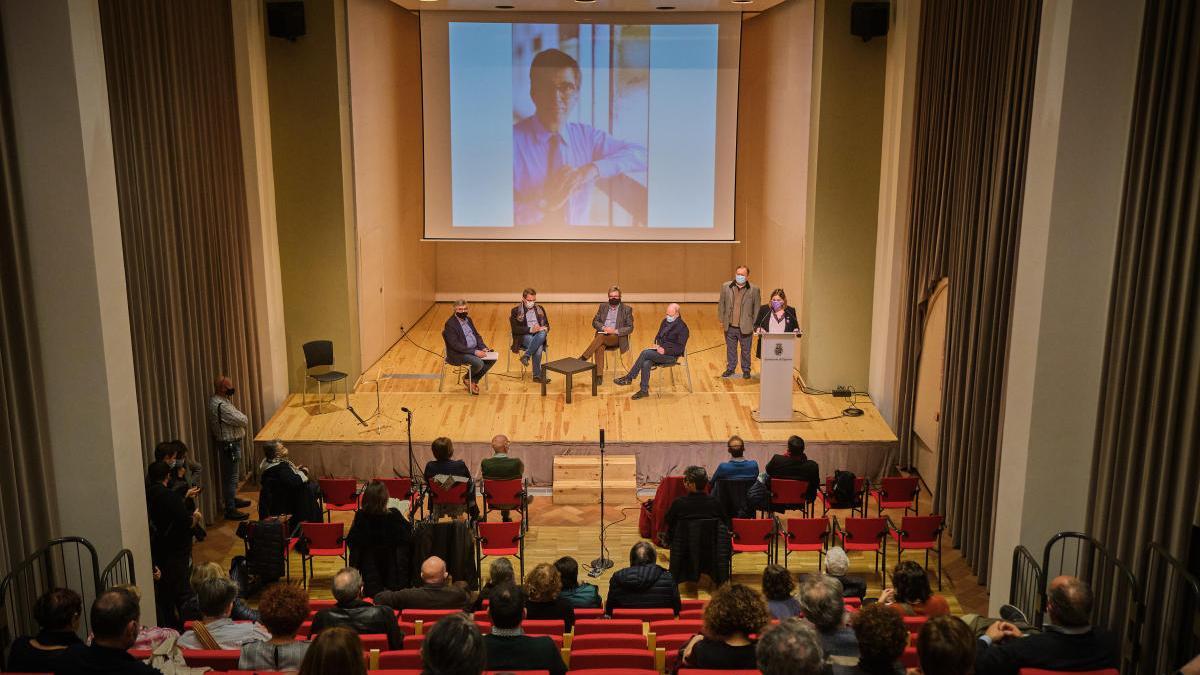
[
  {"x": 837, "y": 564},
  {"x": 668, "y": 347},
  {"x": 790, "y": 647},
  {"x": 357, "y": 614}
]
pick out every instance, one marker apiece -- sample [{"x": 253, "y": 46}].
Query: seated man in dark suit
[
  {"x": 114, "y": 617},
  {"x": 507, "y": 646},
  {"x": 357, "y": 614},
  {"x": 696, "y": 504},
  {"x": 643, "y": 584},
  {"x": 466, "y": 347},
  {"x": 437, "y": 591},
  {"x": 1068, "y": 641},
  {"x": 669, "y": 344},
  {"x": 796, "y": 465}
]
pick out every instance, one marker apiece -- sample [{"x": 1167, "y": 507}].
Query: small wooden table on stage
[{"x": 570, "y": 367}]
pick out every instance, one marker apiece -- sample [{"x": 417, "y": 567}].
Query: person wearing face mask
[
  {"x": 669, "y": 345},
  {"x": 775, "y": 317},
  {"x": 228, "y": 425},
  {"x": 529, "y": 330},
  {"x": 736, "y": 308},
  {"x": 465, "y": 346},
  {"x": 286, "y": 487},
  {"x": 613, "y": 323}
]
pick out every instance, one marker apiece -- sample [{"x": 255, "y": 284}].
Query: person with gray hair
[
  {"x": 216, "y": 630},
  {"x": 670, "y": 344},
  {"x": 465, "y": 346},
  {"x": 500, "y": 571},
  {"x": 285, "y": 487},
  {"x": 357, "y": 614},
  {"x": 696, "y": 504},
  {"x": 837, "y": 564},
  {"x": 821, "y": 603},
  {"x": 790, "y": 647}
]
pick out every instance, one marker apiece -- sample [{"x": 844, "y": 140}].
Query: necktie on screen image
[{"x": 555, "y": 213}]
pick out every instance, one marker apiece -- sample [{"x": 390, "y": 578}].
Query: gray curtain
[
  {"x": 28, "y": 517},
  {"x": 173, "y": 98},
  {"x": 971, "y": 127},
  {"x": 1146, "y": 473}
]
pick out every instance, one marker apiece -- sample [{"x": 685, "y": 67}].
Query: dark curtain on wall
[
  {"x": 173, "y": 99},
  {"x": 971, "y": 127},
  {"x": 1146, "y": 474},
  {"x": 28, "y": 517}
]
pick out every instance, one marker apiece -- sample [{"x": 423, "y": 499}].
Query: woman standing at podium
[{"x": 775, "y": 317}]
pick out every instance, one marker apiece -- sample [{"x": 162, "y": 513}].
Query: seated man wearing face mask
[
  {"x": 529, "y": 330},
  {"x": 613, "y": 324},
  {"x": 669, "y": 345},
  {"x": 465, "y": 347}
]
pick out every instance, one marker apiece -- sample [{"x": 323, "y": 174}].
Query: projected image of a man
[{"x": 556, "y": 162}]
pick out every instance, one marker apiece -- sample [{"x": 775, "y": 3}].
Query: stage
[{"x": 667, "y": 431}]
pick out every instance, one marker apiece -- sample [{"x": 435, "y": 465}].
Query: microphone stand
[
  {"x": 599, "y": 565},
  {"x": 411, "y": 458}
]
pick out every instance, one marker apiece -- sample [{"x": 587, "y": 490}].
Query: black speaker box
[
  {"x": 285, "y": 19},
  {"x": 869, "y": 19}
]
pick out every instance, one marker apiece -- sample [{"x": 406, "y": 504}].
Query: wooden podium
[
  {"x": 775, "y": 381},
  {"x": 577, "y": 479}
]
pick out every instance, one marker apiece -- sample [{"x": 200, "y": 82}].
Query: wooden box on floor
[{"x": 577, "y": 479}]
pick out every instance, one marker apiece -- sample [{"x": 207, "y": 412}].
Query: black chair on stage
[{"x": 319, "y": 354}]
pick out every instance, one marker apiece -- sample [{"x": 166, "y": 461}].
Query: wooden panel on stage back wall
[{"x": 577, "y": 479}]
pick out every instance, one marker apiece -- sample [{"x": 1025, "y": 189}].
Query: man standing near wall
[
  {"x": 228, "y": 425},
  {"x": 736, "y": 309}
]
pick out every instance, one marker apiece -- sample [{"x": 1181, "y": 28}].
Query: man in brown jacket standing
[{"x": 736, "y": 310}]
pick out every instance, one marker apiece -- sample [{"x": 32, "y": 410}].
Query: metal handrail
[
  {"x": 119, "y": 571},
  {"x": 1172, "y": 600},
  {"x": 1024, "y": 590}
]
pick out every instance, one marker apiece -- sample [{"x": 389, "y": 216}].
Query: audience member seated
[
  {"x": 580, "y": 595},
  {"x": 114, "y": 617},
  {"x": 946, "y": 646},
  {"x": 796, "y": 465},
  {"x": 821, "y": 602},
  {"x": 737, "y": 467},
  {"x": 216, "y": 630},
  {"x": 734, "y": 613},
  {"x": 542, "y": 587},
  {"x": 837, "y": 564},
  {"x": 286, "y": 488},
  {"x": 643, "y": 584},
  {"x": 502, "y": 467},
  {"x": 437, "y": 591},
  {"x": 778, "y": 587},
  {"x": 500, "y": 571},
  {"x": 57, "y": 613},
  {"x": 789, "y": 648},
  {"x": 380, "y": 540},
  {"x": 507, "y": 647},
  {"x": 171, "y": 526},
  {"x": 337, "y": 651},
  {"x": 453, "y": 647},
  {"x": 910, "y": 594},
  {"x": 352, "y": 612},
  {"x": 444, "y": 470},
  {"x": 190, "y": 609},
  {"x": 697, "y": 504},
  {"x": 283, "y": 607},
  {"x": 1067, "y": 642},
  {"x": 149, "y": 637},
  {"x": 882, "y": 637}
]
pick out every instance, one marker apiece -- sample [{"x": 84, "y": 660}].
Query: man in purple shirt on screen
[{"x": 555, "y": 162}]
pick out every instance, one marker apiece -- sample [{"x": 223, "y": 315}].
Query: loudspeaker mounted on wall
[
  {"x": 285, "y": 19},
  {"x": 869, "y": 18}
]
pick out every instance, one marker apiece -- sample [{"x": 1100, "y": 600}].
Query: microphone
[
  {"x": 360, "y": 420},
  {"x": 406, "y": 410},
  {"x": 602, "y": 436}
]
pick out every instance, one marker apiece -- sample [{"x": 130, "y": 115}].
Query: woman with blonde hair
[
  {"x": 190, "y": 609},
  {"x": 542, "y": 587}
]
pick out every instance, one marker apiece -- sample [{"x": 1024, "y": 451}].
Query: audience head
[
  {"x": 736, "y": 446},
  {"x": 375, "y": 497},
  {"x": 568, "y": 571},
  {"x": 735, "y": 609},
  {"x": 821, "y": 601},
  {"x": 132, "y": 591},
  {"x": 837, "y": 563},
  {"x": 453, "y": 647},
  {"x": 223, "y": 386},
  {"x": 543, "y": 583},
  {"x": 789, "y": 648},
  {"x": 1069, "y": 603},
  {"x": 695, "y": 478},
  {"x": 501, "y": 571},
  {"x": 335, "y": 651},
  {"x": 165, "y": 452},
  {"x": 795, "y": 446},
  {"x": 881, "y": 634},
  {"x": 58, "y": 609},
  {"x": 158, "y": 473},
  {"x": 910, "y": 582},
  {"x": 181, "y": 449},
  {"x": 433, "y": 571},
  {"x": 204, "y": 572},
  {"x": 499, "y": 444},
  {"x": 777, "y": 583},
  {"x": 115, "y": 618},
  {"x": 642, "y": 553},
  {"x": 282, "y": 608},
  {"x": 274, "y": 450},
  {"x": 216, "y": 598},
  {"x": 443, "y": 448},
  {"x": 506, "y": 606},
  {"x": 946, "y": 646},
  {"x": 347, "y": 585}
]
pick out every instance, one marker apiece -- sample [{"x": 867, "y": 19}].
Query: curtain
[
  {"x": 184, "y": 223},
  {"x": 975, "y": 73},
  {"x": 28, "y": 516},
  {"x": 1146, "y": 472}
]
